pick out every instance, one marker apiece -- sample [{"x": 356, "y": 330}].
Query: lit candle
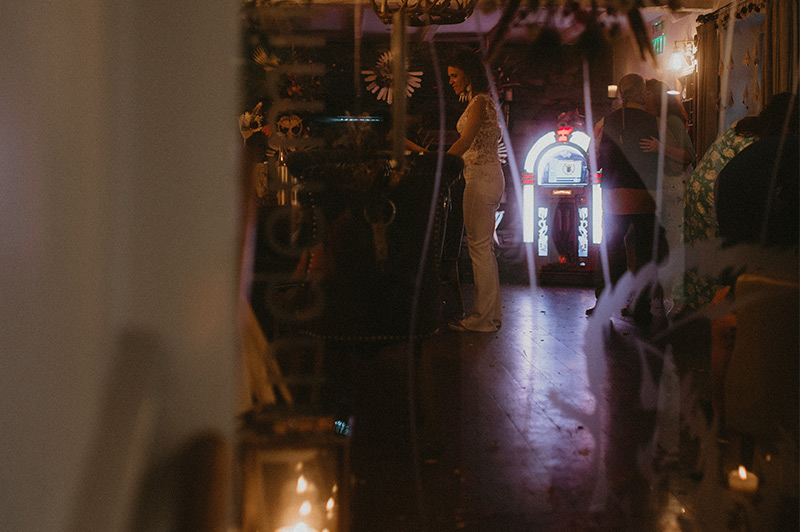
[
  {"x": 298, "y": 527},
  {"x": 283, "y": 175},
  {"x": 743, "y": 480},
  {"x": 302, "y": 484}
]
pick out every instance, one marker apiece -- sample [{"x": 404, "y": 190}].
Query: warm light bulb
[
  {"x": 675, "y": 61},
  {"x": 330, "y": 504},
  {"x": 305, "y": 508},
  {"x": 302, "y": 484},
  {"x": 742, "y": 472}
]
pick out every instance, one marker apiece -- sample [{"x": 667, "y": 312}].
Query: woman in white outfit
[{"x": 479, "y": 131}]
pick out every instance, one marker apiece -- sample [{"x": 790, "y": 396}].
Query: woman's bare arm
[{"x": 675, "y": 153}]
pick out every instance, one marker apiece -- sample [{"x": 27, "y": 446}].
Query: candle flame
[
  {"x": 302, "y": 484},
  {"x": 298, "y": 527},
  {"x": 305, "y": 508},
  {"x": 329, "y": 505},
  {"x": 742, "y": 472}
]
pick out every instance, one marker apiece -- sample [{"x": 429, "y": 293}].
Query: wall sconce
[
  {"x": 425, "y": 12},
  {"x": 682, "y": 60},
  {"x": 612, "y": 91}
]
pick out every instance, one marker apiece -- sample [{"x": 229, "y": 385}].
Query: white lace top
[{"x": 483, "y": 149}]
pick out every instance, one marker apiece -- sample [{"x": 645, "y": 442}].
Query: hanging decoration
[
  {"x": 379, "y": 80},
  {"x": 744, "y": 9},
  {"x": 425, "y": 12},
  {"x": 288, "y": 128},
  {"x": 250, "y": 122},
  {"x": 268, "y": 61},
  {"x": 290, "y": 125}
]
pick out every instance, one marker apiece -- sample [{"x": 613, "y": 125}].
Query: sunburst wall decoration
[{"x": 379, "y": 80}]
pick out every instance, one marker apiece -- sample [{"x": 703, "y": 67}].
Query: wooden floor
[
  {"x": 519, "y": 438},
  {"x": 558, "y": 422}
]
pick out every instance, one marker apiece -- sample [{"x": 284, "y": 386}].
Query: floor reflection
[{"x": 557, "y": 422}]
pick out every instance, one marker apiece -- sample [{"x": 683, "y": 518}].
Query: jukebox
[{"x": 562, "y": 206}]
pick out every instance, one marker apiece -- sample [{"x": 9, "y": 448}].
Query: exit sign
[{"x": 658, "y": 45}]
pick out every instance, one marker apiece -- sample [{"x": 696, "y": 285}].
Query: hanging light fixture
[
  {"x": 682, "y": 57},
  {"x": 425, "y": 12}
]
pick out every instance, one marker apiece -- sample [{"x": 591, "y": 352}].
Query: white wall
[
  {"x": 677, "y": 26},
  {"x": 118, "y": 145}
]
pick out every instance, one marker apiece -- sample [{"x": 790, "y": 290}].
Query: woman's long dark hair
[
  {"x": 471, "y": 64},
  {"x": 772, "y": 119}
]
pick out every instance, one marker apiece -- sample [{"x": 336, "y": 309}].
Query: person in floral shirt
[{"x": 699, "y": 214}]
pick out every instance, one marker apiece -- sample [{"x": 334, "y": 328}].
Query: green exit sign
[{"x": 658, "y": 45}]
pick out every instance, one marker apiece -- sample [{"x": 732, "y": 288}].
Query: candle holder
[
  {"x": 295, "y": 471},
  {"x": 742, "y": 480}
]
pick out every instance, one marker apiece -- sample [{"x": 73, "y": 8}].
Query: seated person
[
  {"x": 700, "y": 216},
  {"x": 752, "y": 209}
]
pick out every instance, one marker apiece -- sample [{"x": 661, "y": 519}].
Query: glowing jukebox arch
[{"x": 562, "y": 203}]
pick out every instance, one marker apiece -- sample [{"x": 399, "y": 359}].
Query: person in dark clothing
[
  {"x": 629, "y": 181},
  {"x": 750, "y": 207}
]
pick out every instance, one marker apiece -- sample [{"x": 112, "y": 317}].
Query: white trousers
[{"x": 484, "y": 187}]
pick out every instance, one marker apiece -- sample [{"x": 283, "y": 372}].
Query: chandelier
[{"x": 425, "y": 12}]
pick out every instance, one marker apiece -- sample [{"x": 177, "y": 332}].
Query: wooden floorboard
[
  {"x": 514, "y": 452},
  {"x": 546, "y": 425}
]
